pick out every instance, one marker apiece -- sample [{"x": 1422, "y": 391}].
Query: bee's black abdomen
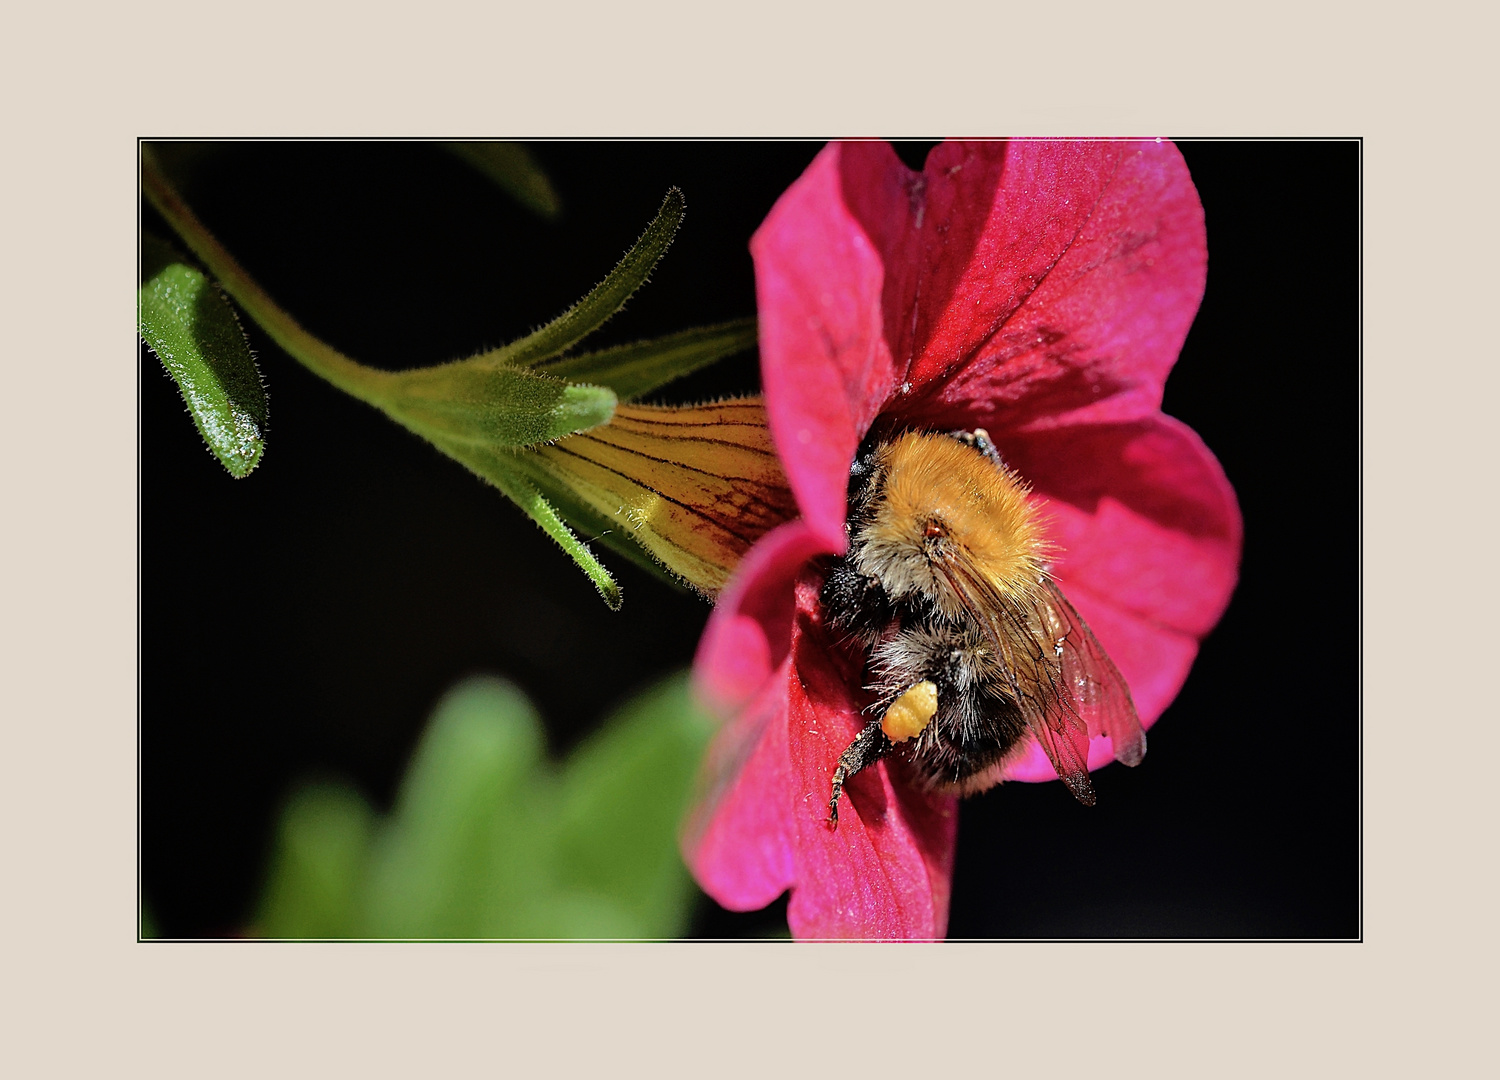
[
  {"x": 976, "y": 724},
  {"x": 970, "y": 734}
]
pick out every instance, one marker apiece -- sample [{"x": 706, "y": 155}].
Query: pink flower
[{"x": 1040, "y": 290}]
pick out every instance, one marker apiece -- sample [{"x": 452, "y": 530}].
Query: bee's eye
[{"x": 934, "y": 530}]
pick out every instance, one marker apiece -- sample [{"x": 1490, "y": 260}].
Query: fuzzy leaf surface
[
  {"x": 638, "y": 368},
  {"x": 194, "y": 332},
  {"x": 494, "y": 407},
  {"x": 606, "y": 298}
]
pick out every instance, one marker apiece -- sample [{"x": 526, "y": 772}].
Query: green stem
[{"x": 370, "y": 385}]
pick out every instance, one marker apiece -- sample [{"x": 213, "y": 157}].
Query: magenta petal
[
  {"x": 749, "y": 633},
  {"x": 997, "y": 218},
  {"x": 737, "y": 847},
  {"x": 1143, "y": 515},
  {"x": 741, "y": 853},
  {"x": 885, "y": 872},
  {"x": 1080, "y": 292},
  {"x": 825, "y": 363}
]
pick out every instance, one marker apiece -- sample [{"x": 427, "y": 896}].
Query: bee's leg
[
  {"x": 868, "y": 747},
  {"x": 979, "y": 439},
  {"x": 904, "y": 719}
]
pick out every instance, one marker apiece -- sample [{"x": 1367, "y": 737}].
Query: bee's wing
[
  {"x": 1025, "y": 639},
  {"x": 1066, "y": 686},
  {"x": 1029, "y": 652},
  {"x": 1097, "y": 691}
]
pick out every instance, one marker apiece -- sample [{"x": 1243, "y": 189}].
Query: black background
[{"x": 362, "y": 572}]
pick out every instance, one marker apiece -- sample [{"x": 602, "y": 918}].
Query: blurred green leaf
[
  {"x": 487, "y": 840},
  {"x": 623, "y": 794},
  {"x": 462, "y": 840},
  {"x": 318, "y": 868},
  {"x": 511, "y": 166},
  {"x": 148, "y": 924},
  {"x": 637, "y": 369},
  {"x": 194, "y": 332},
  {"x": 606, "y": 298}
]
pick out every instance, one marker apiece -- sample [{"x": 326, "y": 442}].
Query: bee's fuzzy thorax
[{"x": 937, "y": 491}]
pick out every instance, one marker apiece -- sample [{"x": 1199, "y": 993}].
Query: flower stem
[{"x": 367, "y": 384}]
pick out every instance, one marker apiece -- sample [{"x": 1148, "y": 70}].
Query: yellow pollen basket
[{"x": 910, "y": 712}]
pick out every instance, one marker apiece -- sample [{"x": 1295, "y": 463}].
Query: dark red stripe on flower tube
[{"x": 693, "y": 489}]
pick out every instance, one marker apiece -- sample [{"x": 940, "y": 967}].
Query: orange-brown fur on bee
[{"x": 938, "y": 493}]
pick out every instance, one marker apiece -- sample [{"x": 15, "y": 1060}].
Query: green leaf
[
  {"x": 470, "y": 850},
  {"x": 590, "y": 313},
  {"x": 493, "y": 407},
  {"x": 319, "y": 865},
  {"x": 192, "y": 329},
  {"x": 622, "y": 796},
  {"x": 487, "y": 840},
  {"x": 464, "y": 841},
  {"x": 511, "y": 166},
  {"x": 466, "y": 787},
  {"x": 637, "y": 369},
  {"x": 560, "y": 915}
]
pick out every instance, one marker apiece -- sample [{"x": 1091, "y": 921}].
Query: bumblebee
[{"x": 970, "y": 646}]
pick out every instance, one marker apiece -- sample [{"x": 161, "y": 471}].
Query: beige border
[{"x": 83, "y": 998}]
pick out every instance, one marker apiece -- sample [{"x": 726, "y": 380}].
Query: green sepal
[
  {"x": 194, "y": 332},
  {"x": 502, "y": 468},
  {"x": 578, "y": 514},
  {"x": 492, "y": 407},
  {"x": 544, "y": 514},
  {"x": 511, "y": 166},
  {"x": 606, "y": 298},
  {"x": 637, "y": 369}
]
